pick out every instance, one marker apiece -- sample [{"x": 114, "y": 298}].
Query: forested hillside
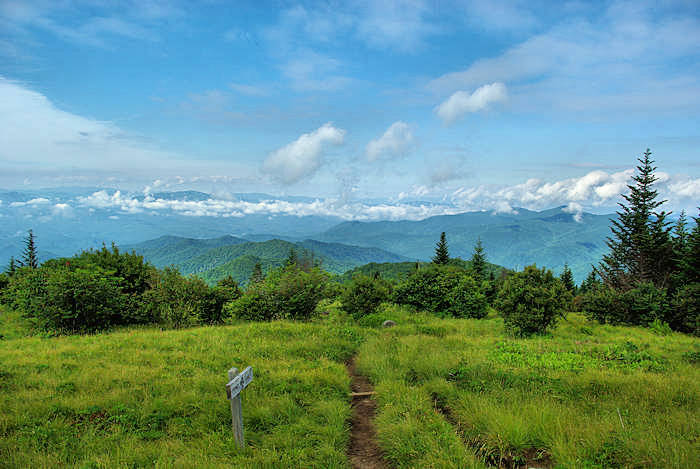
[
  {"x": 551, "y": 237},
  {"x": 214, "y": 259}
]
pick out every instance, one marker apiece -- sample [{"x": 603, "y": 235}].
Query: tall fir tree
[
  {"x": 589, "y": 283},
  {"x": 442, "y": 255},
  {"x": 640, "y": 245},
  {"x": 478, "y": 260},
  {"x": 567, "y": 278},
  {"x": 29, "y": 255}
]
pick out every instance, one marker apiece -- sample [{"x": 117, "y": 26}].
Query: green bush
[
  {"x": 363, "y": 296},
  {"x": 604, "y": 304},
  {"x": 640, "y": 306},
  {"x": 684, "y": 311},
  {"x": 531, "y": 301},
  {"x": 444, "y": 290},
  {"x": 467, "y": 299},
  {"x": 286, "y": 293}
]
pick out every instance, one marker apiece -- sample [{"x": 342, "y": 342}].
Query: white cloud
[
  {"x": 461, "y": 102},
  {"x": 32, "y": 202},
  {"x": 302, "y": 157},
  {"x": 62, "y": 210},
  {"x": 621, "y": 59},
  {"x": 576, "y": 209},
  {"x": 249, "y": 90},
  {"x": 401, "y": 25},
  {"x": 36, "y": 132},
  {"x": 396, "y": 141}
]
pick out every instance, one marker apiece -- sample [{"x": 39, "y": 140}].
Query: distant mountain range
[
  {"x": 181, "y": 228},
  {"x": 549, "y": 238},
  {"x": 213, "y": 259}
]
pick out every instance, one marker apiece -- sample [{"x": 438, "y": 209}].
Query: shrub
[
  {"x": 363, "y": 296},
  {"x": 684, "y": 311},
  {"x": 76, "y": 300},
  {"x": 531, "y": 301},
  {"x": 604, "y": 304},
  {"x": 428, "y": 288},
  {"x": 467, "y": 299},
  {"x": 641, "y": 306},
  {"x": 286, "y": 293}
]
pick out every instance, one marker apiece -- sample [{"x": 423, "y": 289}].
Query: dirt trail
[{"x": 364, "y": 453}]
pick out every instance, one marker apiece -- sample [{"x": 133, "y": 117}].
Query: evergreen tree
[
  {"x": 640, "y": 245},
  {"x": 681, "y": 251},
  {"x": 11, "y": 267},
  {"x": 29, "y": 255},
  {"x": 292, "y": 259},
  {"x": 590, "y": 282},
  {"x": 478, "y": 260},
  {"x": 567, "y": 278},
  {"x": 691, "y": 267},
  {"x": 442, "y": 256},
  {"x": 257, "y": 275}
]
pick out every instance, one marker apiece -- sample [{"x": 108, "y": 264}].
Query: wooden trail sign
[{"x": 237, "y": 383}]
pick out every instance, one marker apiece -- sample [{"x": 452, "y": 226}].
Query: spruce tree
[
  {"x": 29, "y": 255},
  {"x": 640, "y": 245},
  {"x": 257, "y": 275},
  {"x": 567, "y": 278},
  {"x": 589, "y": 283},
  {"x": 442, "y": 256},
  {"x": 478, "y": 260}
]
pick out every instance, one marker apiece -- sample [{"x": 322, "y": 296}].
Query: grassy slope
[
  {"x": 145, "y": 397},
  {"x": 150, "y": 398},
  {"x": 558, "y": 397}
]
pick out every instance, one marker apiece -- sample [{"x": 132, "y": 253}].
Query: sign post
[{"x": 237, "y": 383}]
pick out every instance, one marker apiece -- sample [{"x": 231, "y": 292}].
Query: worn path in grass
[{"x": 364, "y": 453}]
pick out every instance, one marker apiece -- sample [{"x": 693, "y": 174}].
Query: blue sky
[{"x": 479, "y": 104}]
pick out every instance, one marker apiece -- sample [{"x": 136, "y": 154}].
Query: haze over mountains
[{"x": 262, "y": 228}]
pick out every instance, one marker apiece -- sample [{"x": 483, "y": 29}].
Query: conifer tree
[
  {"x": 292, "y": 259},
  {"x": 11, "y": 267},
  {"x": 29, "y": 255},
  {"x": 691, "y": 267},
  {"x": 567, "y": 278},
  {"x": 257, "y": 275},
  {"x": 442, "y": 256},
  {"x": 589, "y": 282},
  {"x": 640, "y": 245},
  {"x": 478, "y": 260}
]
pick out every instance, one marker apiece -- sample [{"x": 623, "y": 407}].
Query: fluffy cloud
[
  {"x": 302, "y": 157},
  {"x": 597, "y": 189},
  {"x": 396, "y": 141},
  {"x": 32, "y": 202},
  {"x": 461, "y": 102}
]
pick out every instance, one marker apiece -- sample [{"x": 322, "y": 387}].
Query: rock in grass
[{"x": 388, "y": 323}]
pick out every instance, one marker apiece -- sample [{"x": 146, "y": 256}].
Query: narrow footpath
[{"x": 363, "y": 453}]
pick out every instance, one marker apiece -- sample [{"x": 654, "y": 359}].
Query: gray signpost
[{"x": 237, "y": 383}]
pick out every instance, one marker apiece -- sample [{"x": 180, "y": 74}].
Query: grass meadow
[{"x": 450, "y": 393}]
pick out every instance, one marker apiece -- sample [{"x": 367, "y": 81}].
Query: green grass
[
  {"x": 151, "y": 398},
  {"x": 450, "y": 393},
  {"x": 586, "y": 396}
]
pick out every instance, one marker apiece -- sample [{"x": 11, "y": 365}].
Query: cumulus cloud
[
  {"x": 462, "y": 102},
  {"x": 302, "y": 157},
  {"x": 396, "y": 141}
]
